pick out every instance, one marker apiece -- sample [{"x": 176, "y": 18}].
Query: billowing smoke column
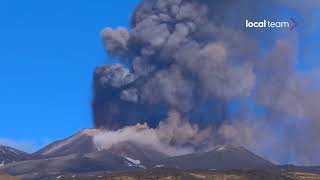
[
  {"x": 172, "y": 60},
  {"x": 194, "y": 60}
]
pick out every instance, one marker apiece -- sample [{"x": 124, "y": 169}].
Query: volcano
[
  {"x": 82, "y": 143},
  {"x": 79, "y": 155}
]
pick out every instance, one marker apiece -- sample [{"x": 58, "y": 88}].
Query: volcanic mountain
[
  {"x": 78, "y": 154},
  {"x": 9, "y": 155},
  {"x": 221, "y": 158},
  {"x": 79, "y": 143},
  {"x": 82, "y": 143}
]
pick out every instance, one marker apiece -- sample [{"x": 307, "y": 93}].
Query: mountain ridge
[
  {"x": 9, "y": 155},
  {"x": 221, "y": 157},
  {"x": 79, "y": 143},
  {"x": 78, "y": 154}
]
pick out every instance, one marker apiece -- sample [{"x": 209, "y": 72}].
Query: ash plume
[
  {"x": 194, "y": 59},
  {"x": 173, "y": 130},
  {"x": 170, "y": 62}
]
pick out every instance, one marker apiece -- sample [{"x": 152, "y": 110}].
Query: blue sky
[{"x": 48, "y": 51}]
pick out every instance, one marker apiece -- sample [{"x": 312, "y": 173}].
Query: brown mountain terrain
[{"x": 77, "y": 157}]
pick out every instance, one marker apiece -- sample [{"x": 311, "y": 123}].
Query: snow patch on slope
[
  {"x": 137, "y": 162},
  {"x": 133, "y": 163},
  {"x": 228, "y": 148},
  {"x": 222, "y": 148}
]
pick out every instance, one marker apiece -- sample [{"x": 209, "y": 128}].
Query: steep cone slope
[
  {"x": 221, "y": 157},
  {"x": 80, "y": 143}
]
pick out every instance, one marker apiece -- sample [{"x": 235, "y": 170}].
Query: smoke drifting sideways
[{"x": 183, "y": 67}]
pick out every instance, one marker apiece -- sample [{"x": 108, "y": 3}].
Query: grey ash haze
[{"x": 185, "y": 63}]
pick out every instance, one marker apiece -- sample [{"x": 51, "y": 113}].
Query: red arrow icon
[{"x": 295, "y": 24}]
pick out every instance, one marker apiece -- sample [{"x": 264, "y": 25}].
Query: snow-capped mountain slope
[
  {"x": 78, "y": 154},
  {"x": 221, "y": 157},
  {"x": 146, "y": 155},
  {"x": 9, "y": 155},
  {"x": 102, "y": 161},
  {"x": 82, "y": 143}
]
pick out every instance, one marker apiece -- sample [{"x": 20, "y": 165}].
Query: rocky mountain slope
[
  {"x": 78, "y": 156},
  {"x": 80, "y": 143},
  {"x": 9, "y": 155},
  {"x": 221, "y": 157},
  {"x": 102, "y": 161}
]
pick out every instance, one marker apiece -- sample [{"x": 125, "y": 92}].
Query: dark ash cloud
[{"x": 195, "y": 58}]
